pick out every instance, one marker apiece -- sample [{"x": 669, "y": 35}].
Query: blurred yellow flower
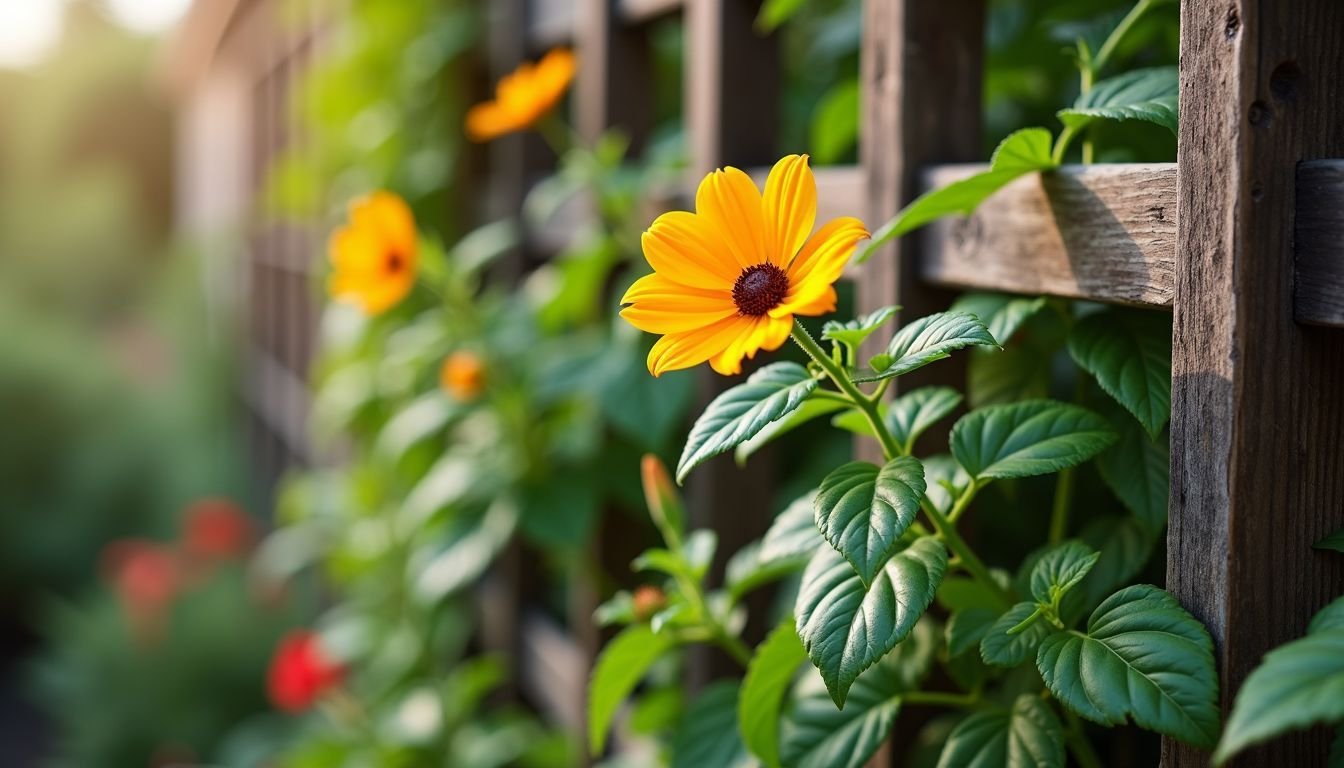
[
  {"x": 523, "y": 97},
  {"x": 462, "y": 375},
  {"x": 374, "y": 258},
  {"x": 729, "y": 278}
]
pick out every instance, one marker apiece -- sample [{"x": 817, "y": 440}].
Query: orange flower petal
[
  {"x": 389, "y": 218},
  {"x": 728, "y": 200},
  {"x": 681, "y": 247},
  {"x": 820, "y": 263},
  {"x": 676, "y": 351},
  {"x": 790, "y": 202},
  {"x": 354, "y": 250},
  {"x": 663, "y": 306},
  {"x": 488, "y": 121}
]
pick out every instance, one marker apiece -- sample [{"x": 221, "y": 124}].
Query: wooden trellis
[{"x": 1241, "y": 238}]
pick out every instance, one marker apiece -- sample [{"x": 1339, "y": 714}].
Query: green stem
[
  {"x": 1059, "y": 515},
  {"x": 890, "y": 448},
  {"x": 973, "y": 565},
  {"x": 555, "y": 134},
  {"x": 940, "y": 699},
  {"x": 1078, "y": 743},
  {"x": 1118, "y": 34}
]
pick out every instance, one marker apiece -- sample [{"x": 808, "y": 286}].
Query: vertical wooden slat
[
  {"x": 1257, "y": 424},
  {"x": 615, "y": 73},
  {"x": 921, "y": 71},
  {"x": 731, "y": 109}
]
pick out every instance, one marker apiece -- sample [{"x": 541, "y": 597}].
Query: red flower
[
  {"x": 146, "y": 576},
  {"x": 300, "y": 672},
  {"x": 216, "y": 529}
]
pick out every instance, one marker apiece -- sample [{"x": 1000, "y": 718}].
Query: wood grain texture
[
  {"x": 1318, "y": 294},
  {"x": 921, "y": 66},
  {"x": 1102, "y": 232},
  {"x": 1257, "y": 425}
]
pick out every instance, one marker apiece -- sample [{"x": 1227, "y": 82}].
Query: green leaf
[
  {"x": 814, "y": 734},
  {"x": 847, "y": 628},
  {"x": 862, "y": 511},
  {"x": 1297, "y": 685},
  {"x": 619, "y": 668},
  {"x": 1125, "y": 545},
  {"x": 1002, "y": 313},
  {"x": 1137, "y": 468},
  {"x": 1334, "y": 541},
  {"x": 1129, "y": 353},
  {"x": 773, "y": 13},
  {"x": 1020, "y": 153},
  {"x": 835, "y": 123},
  {"x": 1004, "y": 650},
  {"x": 945, "y": 479},
  {"x": 1329, "y": 617},
  {"x": 965, "y": 629},
  {"x": 1143, "y": 658},
  {"x": 1027, "y": 736},
  {"x": 418, "y": 421},
  {"x": 853, "y": 332},
  {"x": 466, "y": 555},
  {"x": 741, "y": 412},
  {"x": 769, "y": 674},
  {"x": 1060, "y": 570},
  {"x": 793, "y": 533},
  {"x": 618, "y": 609},
  {"x": 931, "y": 338},
  {"x": 909, "y": 415},
  {"x": 1010, "y": 375},
  {"x": 708, "y": 732},
  {"x": 1144, "y": 94},
  {"x": 1024, "y": 439},
  {"x": 809, "y": 410}
]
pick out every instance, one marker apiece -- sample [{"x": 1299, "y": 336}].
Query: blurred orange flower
[
  {"x": 216, "y": 529},
  {"x": 523, "y": 97},
  {"x": 374, "y": 256},
  {"x": 728, "y": 279},
  {"x": 301, "y": 672},
  {"x": 462, "y": 375}
]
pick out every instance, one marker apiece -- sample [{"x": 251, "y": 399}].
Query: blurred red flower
[
  {"x": 300, "y": 672},
  {"x": 146, "y": 576},
  {"x": 216, "y": 529}
]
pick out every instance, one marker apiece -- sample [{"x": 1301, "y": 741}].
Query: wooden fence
[{"x": 1242, "y": 239}]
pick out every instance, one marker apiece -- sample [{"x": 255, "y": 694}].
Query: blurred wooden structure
[{"x": 1234, "y": 238}]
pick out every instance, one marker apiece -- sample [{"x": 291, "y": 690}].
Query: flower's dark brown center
[
  {"x": 760, "y": 289},
  {"x": 395, "y": 262}
]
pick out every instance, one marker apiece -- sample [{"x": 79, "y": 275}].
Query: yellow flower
[
  {"x": 462, "y": 375},
  {"x": 523, "y": 97},
  {"x": 373, "y": 258},
  {"x": 729, "y": 278}
]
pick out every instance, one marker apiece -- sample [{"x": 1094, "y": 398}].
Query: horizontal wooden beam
[{"x": 1099, "y": 232}]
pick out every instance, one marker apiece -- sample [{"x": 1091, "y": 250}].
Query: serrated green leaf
[
  {"x": 619, "y": 668},
  {"x": 908, "y": 416},
  {"x": 862, "y": 510},
  {"x": 835, "y": 123},
  {"x": 809, "y": 410},
  {"x": 931, "y": 338},
  {"x": 1027, "y": 736},
  {"x": 769, "y": 674},
  {"x": 1334, "y": 541},
  {"x": 1001, "y": 313},
  {"x": 1024, "y": 439},
  {"x": 1329, "y": 617},
  {"x": 1143, "y": 658},
  {"x": 815, "y": 734},
  {"x": 1129, "y": 353},
  {"x": 965, "y": 629},
  {"x": 1143, "y": 94},
  {"x": 852, "y": 333},
  {"x": 1060, "y": 570},
  {"x": 847, "y": 628},
  {"x": 741, "y": 412},
  {"x": 708, "y": 732},
  {"x": 1297, "y": 685},
  {"x": 1020, "y": 153},
  {"x": 1137, "y": 468},
  {"x": 1004, "y": 650}
]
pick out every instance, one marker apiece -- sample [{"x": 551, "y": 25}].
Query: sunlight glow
[
  {"x": 28, "y": 29},
  {"x": 148, "y": 16}
]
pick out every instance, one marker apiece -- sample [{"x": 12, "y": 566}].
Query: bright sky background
[{"x": 28, "y": 28}]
